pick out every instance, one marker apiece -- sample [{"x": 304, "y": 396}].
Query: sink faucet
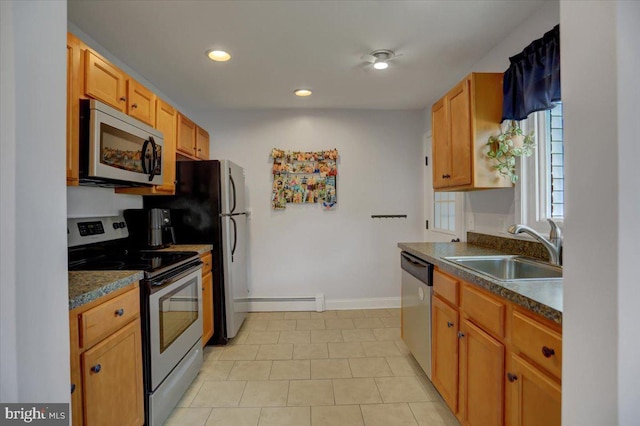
[{"x": 553, "y": 244}]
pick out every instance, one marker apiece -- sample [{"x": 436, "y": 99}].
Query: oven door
[
  {"x": 122, "y": 148},
  {"x": 175, "y": 322}
]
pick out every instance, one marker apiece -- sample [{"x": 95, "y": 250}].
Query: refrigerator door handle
[
  {"x": 233, "y": 190},
  {"x": 235, "y": 237}
]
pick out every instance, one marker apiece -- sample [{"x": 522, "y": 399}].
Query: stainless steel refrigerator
[{"x": 209, "y": 208}]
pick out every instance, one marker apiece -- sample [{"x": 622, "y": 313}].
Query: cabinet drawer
[
  {"x": 486, "y": 311},
  {"x": 446, "y": 287},
  {"x": 537, "y": 342},
  {"x": 103, "y": 320},
  {"x": 207, "y": 259}
]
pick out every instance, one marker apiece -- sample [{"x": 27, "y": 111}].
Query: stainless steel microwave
[{"x": 117, "y": 150}]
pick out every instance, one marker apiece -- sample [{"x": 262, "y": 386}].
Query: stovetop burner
[{"x": 149, "y": 262}]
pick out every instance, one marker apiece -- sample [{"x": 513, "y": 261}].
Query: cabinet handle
[
  {"x": 512, "y": 377},
  {"x": 96, "y": 368},
  {"x": 449, "y": 324},
  {"x": 199, "y": 149},
  {"x": 134, "y": 106},
  {"x": 123, "y": 99},
  {"x": 460, "y": 334},
  {"x": 548, "y": 352},
  {"x": 120, "y": 312},
  {"x": 73, "y": 387}
]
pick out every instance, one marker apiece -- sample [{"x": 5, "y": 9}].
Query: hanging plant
[{"x": 505, "y": 147}]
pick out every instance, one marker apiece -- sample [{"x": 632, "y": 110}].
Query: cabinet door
[
  {"x": 166, "y": 121},
  {"x": 141, "y": 102},
  {"x": 73, "y": 106},
  {"x": 533, "y": 398},
  {"x": 202, "y": 143},
  {"x": 207, "y": 307},
  {"x": 441, "y": 148},
  {"x": 481, "y": 377},
  {"x": 104, "y": 82},
  {"x": 461, "y": 144},
  {"x": 112, "y": 372},
  {"x": 444, "y": 351},
  {"x": 186, "y": 136}
]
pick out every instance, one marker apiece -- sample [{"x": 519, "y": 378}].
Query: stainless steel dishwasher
[{"x": 417, "y": 289}]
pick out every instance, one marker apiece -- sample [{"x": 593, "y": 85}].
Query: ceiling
[{"x": 279, "y": 46}]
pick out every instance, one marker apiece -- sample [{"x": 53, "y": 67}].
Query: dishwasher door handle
[{"x": 413, "y": 262}]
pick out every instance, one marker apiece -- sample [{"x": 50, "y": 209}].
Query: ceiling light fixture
[
  {"x": 302, "y": 92},
  {"x": 381, "y": 65},
  {"x": 380, "y": 58},
  {"x": 218, "y": 55}
]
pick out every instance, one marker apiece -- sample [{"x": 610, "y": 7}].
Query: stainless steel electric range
[{"x": 171, "y": 305}]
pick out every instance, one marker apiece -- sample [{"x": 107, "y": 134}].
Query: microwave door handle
[
  {"x": 143, "y": 156},
  {"x": 154, "y": 159}
]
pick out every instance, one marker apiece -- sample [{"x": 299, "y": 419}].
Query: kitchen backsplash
[
  {"x": 509, "y": 245},
  {"x": 85, "y": 201}
]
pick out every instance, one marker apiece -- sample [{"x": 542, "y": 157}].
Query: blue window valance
[{"x": 532, "y": 82}]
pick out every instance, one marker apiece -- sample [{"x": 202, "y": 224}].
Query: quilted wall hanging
[{"x": 304, "y": 178}]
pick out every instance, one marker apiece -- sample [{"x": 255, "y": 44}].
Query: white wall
[
  {"x": 343, "y": 253},
  {"x": 35, "y": 335},
  {"x": 601, "y": 92}
]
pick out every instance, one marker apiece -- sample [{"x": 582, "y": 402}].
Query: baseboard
[
  {"x": 371, "y": 303},
  {"x": 279, "y": 304}
]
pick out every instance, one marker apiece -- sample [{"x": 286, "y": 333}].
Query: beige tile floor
[{"x": 335, "y": 368}]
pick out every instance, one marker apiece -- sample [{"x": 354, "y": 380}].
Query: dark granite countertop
[
  {"x": 543, "y": 297},
  {"x": 199, "y": 248},
  {"x": 87, "y": 286}
]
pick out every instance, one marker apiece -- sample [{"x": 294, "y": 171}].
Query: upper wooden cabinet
[
  {"x": 186, "y": 136},
  {"x": 104, "y": 81},
  {"x": 73, "y": 110},
  {"x": 462, "y": 122},
  {"x": 202, "y": 144},
  {"x": 141, "y": 102},
  {"x": 90, "y": 75}
]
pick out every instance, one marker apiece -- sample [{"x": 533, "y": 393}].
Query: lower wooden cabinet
[
  {"x": 481, "y": 400},
  {"x": 207, "y": 297},
  {"x": 106, "y": 369},
  {"x": 533, "y": 397},
  {"x": 207, "y": 307},
  {"x": 444, "y": 359},
  {"x": 112, "y": 376},
  {"x": 493, "y": 362}
]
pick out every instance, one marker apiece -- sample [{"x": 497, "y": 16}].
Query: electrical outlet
[
  {"x": 502, "y": 225},
  {"x": 471, "y": 222}
]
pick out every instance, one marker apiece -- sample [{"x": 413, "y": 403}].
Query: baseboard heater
[{"x": 301, "y": 303}]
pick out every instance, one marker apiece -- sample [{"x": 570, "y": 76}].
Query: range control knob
[
  {"x": 116, "y": 225},
  {"x": 123, "y": 225}
]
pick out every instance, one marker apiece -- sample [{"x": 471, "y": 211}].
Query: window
[
  {"x": 541, "y": 186},
  {"x": 444, "y": 211}
]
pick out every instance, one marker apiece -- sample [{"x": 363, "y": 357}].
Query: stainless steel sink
[{"x": 509, "y": 268}]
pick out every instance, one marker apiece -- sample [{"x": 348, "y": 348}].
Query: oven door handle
[{"x": 158, "y": 284}]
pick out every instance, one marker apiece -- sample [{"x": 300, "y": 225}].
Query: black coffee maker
[{"x": 150, "y": 228}]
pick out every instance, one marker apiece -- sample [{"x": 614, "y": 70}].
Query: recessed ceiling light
[
  {"x": 302, "y": 92},
  {"x": 381, "y": 65},
  {"x": 218, "y": 55}
]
